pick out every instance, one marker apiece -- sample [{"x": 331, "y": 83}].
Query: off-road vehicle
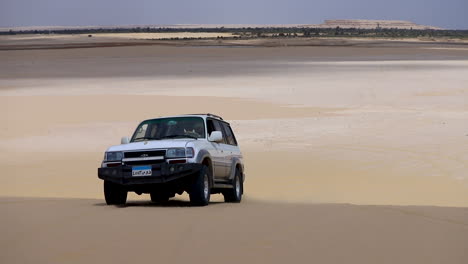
[{"x": 196, "y": 153}]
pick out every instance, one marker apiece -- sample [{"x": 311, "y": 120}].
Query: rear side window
[{"x": 230, "y": 138}]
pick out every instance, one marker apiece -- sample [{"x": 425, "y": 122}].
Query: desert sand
[
  {"x": 88, "y": 231},
  {"x": 353, "y": 154}
]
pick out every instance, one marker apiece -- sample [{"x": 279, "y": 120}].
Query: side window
[
  {"x": 233, "y": 136},
  {"x": 231, "y": 140},
  {"x": 210, "y": 126}
]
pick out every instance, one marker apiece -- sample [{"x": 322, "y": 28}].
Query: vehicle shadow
[{"x": 170, "y": 203}]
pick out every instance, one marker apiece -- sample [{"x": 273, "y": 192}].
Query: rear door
[{"x": 231, "y": 150}]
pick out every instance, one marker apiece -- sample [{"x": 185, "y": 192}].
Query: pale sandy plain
[
  {"x": 353, "y": 154},
  {"x": 102, "y": 37}
]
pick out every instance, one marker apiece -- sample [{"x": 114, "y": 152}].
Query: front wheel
[
  {"x": 114, "y": 194},
  {"x": 234, "y": 195},
  {"x": 200, "y": 189}
]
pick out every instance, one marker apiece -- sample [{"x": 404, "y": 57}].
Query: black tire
[
  {"x": 234, "y": 195},
  {"x": 159, "y": 197},
  {"x": 114, "y": 194},
  {"x": 200, "y": 190}
]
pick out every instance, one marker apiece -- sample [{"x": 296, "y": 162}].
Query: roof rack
[{"x": 210, "y": 115}]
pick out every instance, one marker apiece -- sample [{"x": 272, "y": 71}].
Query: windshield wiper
[
  {"x": 144, "y": 138},
  {"x": 174, "y": 136}
]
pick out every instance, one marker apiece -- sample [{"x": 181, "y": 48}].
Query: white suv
[{"x": 194, "y": 153}]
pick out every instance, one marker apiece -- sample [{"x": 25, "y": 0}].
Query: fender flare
[
  {"x": 202, "y": 155},
  {"x": 235, "y": 162}
]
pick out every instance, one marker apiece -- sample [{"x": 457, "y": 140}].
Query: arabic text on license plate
[{"x": 141, "y": 171}]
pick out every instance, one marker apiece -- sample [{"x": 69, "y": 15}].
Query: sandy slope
[
  {"x": 84, "y": 231},
  {"x": 385, "y": 126}
]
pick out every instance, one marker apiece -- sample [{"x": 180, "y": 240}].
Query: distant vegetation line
[{"x": 267, "y": 32}]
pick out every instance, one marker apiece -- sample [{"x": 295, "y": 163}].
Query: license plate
[{"x": 140, "y": 171}]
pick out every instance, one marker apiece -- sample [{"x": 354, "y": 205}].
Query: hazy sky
[{"x": 441, "y": 13}]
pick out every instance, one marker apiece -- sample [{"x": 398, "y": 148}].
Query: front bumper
[{"x": 161, "y": 173}]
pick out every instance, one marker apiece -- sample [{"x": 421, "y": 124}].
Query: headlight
[
  {"x": 175, "y": 153},
  {"x": 113, "y": 156},
  {"x": 189, "y": 152}
]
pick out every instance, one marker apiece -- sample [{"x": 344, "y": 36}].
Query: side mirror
[
  {"x": 216, "y": 136},
  {"x": 124, "y": 140}
]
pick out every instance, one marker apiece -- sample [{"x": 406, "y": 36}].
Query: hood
[{"x": 151, "y": 144}]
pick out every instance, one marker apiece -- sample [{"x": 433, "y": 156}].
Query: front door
[{"x": 218, "y": 154}]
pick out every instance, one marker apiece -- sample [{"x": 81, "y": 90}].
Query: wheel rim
[
  {"x": 206, "y": 187},
  {"x": 238, "y": 188}
]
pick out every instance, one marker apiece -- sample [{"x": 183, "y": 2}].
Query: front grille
[
  {"x": 145, "y": 153},
  {"x": 145, "y": 156},
  {"x": 143, "y": 162}
]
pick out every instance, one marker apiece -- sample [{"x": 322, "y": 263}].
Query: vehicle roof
[
  {"x": 207, "y": 115},
  {"x": 204, "y": 116}
]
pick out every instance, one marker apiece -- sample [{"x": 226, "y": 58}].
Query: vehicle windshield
[{"x": 164, "y": 128}]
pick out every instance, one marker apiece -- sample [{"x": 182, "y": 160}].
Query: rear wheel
[
  {"x": 234, "y": 195},
  {"x": 114, "y": 194},
  {"x": 200, "y": 189}
]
